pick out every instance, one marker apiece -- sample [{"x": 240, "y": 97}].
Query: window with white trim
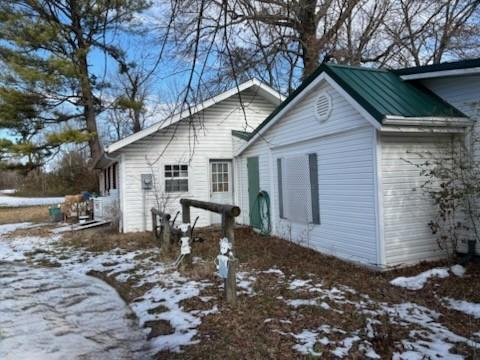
[
  {"x": 298, "y": 193},
  {"x": 176, "y": 178},
  {"x": 220, "y": 176}
]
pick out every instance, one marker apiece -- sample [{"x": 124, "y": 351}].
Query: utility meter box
[{"x": 147, "y": 182}]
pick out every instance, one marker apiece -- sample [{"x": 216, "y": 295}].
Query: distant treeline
[{"x": 71, "y": 175}]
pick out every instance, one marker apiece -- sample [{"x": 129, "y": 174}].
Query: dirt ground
[
  {"x": 10, "y": 215},
  {"x": 255, "y": 328}
]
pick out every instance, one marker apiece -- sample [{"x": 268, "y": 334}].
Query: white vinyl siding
[
  {"x": 345, "y": 149},
  {"x": 214, "y": 141},
  {"x": 463, "y": 93},
  {"x": 407, "y": 209}
]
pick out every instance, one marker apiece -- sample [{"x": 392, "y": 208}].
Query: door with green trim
[{"x": 253, "y": 190}]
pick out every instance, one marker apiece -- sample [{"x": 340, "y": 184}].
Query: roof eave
[
  {"x": 427, "y": 121},
  {"x": 441, "y": 73},
  {"x": 269, "y": 93}
]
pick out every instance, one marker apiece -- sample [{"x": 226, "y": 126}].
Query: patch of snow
[
  {"x": 274, "y": 271},
  {"x": 16, "y": 201},
  {"x": 53, "y": 314},
  {"x": 345, "y": 347},
  {"x": 430, "y": 339},
  {"x": 245, "y": 282},
  {"x": 301, "y": 302},
  {"x": 308, "y": 302},
  {"x": 433, "y": 341},
  {"x": 297, "y": 283},
  {"x": 62, "y": 229},
  {"x": 8, "y": 191},
  {"x": 184, "y": 323},
  {"x": 8, "y": 228},
  {"x": 166, "y": 287},
  {"x": 368, "y": 351},
  {"x": 307, "y": 340},
  {"x": 417, "y": 282},
  {"x": 466, "y": 307},
  {"x": 458, "y": 270}
]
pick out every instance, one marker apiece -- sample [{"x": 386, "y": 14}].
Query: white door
[{"x": 221, "y": 190}]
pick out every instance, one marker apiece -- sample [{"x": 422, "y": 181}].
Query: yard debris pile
[{"x": 287, "y": 308}]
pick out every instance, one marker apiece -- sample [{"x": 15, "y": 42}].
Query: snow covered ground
[
  {"x": 169, "y": 290},
  {"x": 463, "y": 306},
  {"x": 16, "y": 201},
  {"x": 418, "y": 281},
  {"x": 47, "y": 313},
  {"x": 71, "y": 315},
  {"x": 429, "y": 340}
]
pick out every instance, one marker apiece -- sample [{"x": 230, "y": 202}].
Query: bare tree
[
  {"x": 432, "y": 31},
  {"x": 283, "y": 41}
]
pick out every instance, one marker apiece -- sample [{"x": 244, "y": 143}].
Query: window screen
[
  {"x": 176, "y": 178},
  {"x": 298, "y": 188}
]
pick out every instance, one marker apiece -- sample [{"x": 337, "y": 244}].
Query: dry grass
[
  {"x": 10, "y": 215},
  {"x": 241, "y": 332},
  {"x": 104, "y": 239}
]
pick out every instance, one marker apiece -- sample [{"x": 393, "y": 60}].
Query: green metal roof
[
  {"x": 383, "y": 93},
  {"x": 380, "y": 92},
  {"x": 244, "y": 135},
  {"x": 454, "y": 65}
]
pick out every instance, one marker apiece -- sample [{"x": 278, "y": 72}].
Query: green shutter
[
  {"x": 280, "y": 188},
  {"x": 253, "y": 190},
  {"x": 313, "y": 167}
]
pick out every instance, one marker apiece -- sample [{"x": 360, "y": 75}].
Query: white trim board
[
  {"x": 267, "y": 92},
  {"x": 441, "y": 73}
]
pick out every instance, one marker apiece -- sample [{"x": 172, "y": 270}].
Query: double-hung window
[
  {"x": 176, "y": 178},
  {"x": 298, "y": 193}
]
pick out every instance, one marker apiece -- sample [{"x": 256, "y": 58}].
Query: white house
[
  {"x": 333, "y": 159},
  {"x": 170, "y": 160}
]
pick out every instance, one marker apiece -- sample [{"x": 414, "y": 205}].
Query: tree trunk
[
  {"x": 137, "y": 126},
  {"x": 87, "y": 97},
  {"x": 308, "y": 37}
]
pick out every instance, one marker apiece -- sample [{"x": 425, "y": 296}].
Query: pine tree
[{"x": 48, "y": 93}]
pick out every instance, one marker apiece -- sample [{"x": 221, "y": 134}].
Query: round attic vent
[{"x": 323, "y": 106}]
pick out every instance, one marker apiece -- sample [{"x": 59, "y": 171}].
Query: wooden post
[
  {"x": 229, "y": 228},
  {"x": 154, "y": 224},
  {"x": 166, "y": 233},
  {"x": 228, "y": 212},
  {"x": 230, "y": 284},
  {"x": 185, "y": 212}
]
